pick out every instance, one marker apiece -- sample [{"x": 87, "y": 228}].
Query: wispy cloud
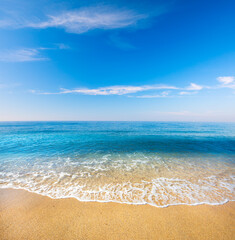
[
  {"x": 112, "y": 90},
  {"x": 117, "y": 90},
  {"x": 130, "y": 91},
  {"x": 227, "y": 82},
  {"x": 193, "y": 87},
  {"x": 187, "y": 93},
  {"x": 4, "y": 23},
  {"x": 29, "y": 54},
  {"x": 22, "y": 55},
  {"x": 90, "y": 18}
]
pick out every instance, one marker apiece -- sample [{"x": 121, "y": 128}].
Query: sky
[{"x": 148, "y": 60}]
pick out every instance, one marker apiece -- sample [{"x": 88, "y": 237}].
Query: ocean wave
[{"x": 160, "y": 192}]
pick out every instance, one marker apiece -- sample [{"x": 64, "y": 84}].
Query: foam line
[{"x": 145, "y": 203}]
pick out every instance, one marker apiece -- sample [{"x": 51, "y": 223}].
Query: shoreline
[
  {"x": 116, "y": 202},
  {"x": 26, "y": 215}
]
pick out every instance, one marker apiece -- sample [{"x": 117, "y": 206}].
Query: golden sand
[{"x": 27, "y": 216}]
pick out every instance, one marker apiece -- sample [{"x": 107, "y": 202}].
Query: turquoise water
[{"x": 156, "y": 163}]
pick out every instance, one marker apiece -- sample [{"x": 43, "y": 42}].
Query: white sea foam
[
  {"x": 136, "y": 179},
  {"x": 158, "y": 192}
]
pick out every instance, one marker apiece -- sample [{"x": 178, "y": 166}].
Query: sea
[{"x": 154, "y": 163}]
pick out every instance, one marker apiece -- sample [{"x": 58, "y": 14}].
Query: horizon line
[{"x": 191, "y": 121}]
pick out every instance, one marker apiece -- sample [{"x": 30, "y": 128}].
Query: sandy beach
[{"x": 25, "y": 215}]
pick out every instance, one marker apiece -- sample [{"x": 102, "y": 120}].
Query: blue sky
[{"x": 117, "y": 60}]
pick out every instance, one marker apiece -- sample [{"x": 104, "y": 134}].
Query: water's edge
[{"x": 111, "y": 201}]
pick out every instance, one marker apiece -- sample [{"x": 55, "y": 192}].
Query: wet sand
[{"x": 27, "y": 216}]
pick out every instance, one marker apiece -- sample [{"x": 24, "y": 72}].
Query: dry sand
[{"x": 25, "y": 215}]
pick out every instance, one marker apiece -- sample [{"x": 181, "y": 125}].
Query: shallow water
[{"x": 156, "y": 163}]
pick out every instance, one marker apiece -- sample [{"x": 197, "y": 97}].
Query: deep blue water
[{"x": 108, "y": 137}]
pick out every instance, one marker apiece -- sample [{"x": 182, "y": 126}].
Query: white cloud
[
  {"x": 89, "y": 18},
  {"x": 124, "y": 90},
  {"x": 115, "y": 90},
  {"x": 194, "y": 86},
  {"x": 112, "y": 90},
  {"x": 6, "y": 23},
  {"x": 22, "y": 55},
  {"x": 29, "y": 54},
  {"x": 226, "y": 80},
  {"x": 187, "y": 93}
]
